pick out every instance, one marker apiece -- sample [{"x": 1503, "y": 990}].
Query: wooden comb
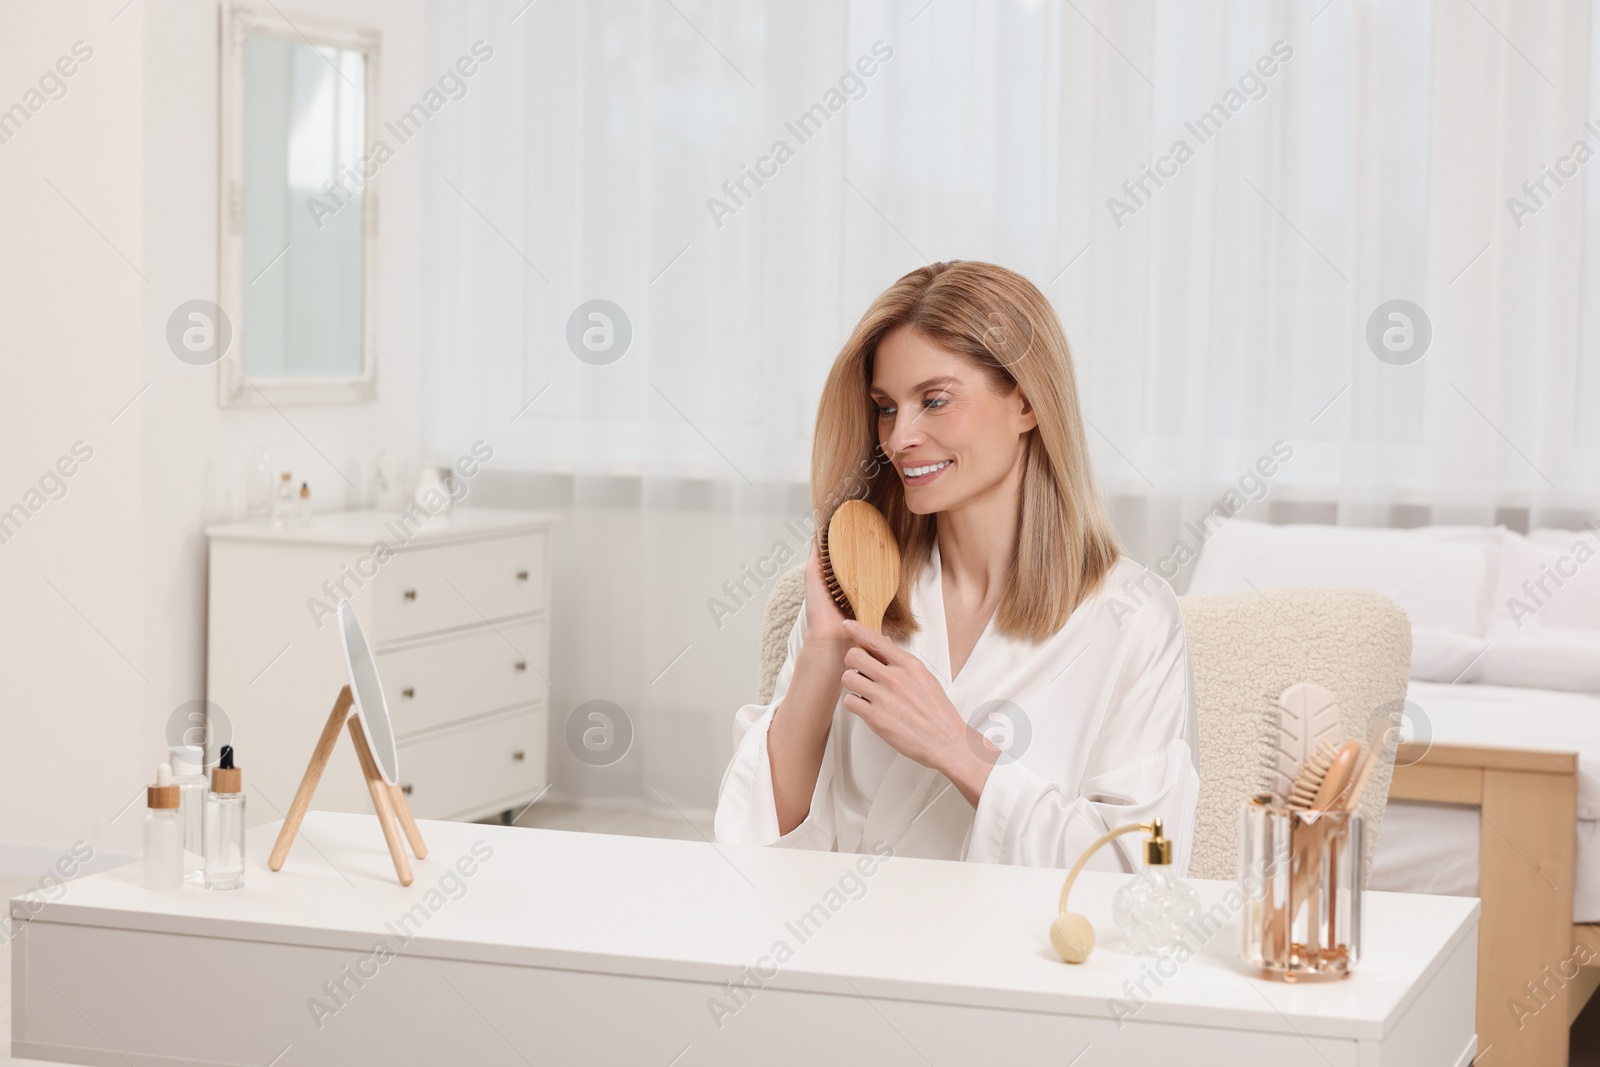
[{"x": 860, "y": 562}]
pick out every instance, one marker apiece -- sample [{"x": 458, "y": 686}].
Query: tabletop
[{"x": 898, "y": 927}]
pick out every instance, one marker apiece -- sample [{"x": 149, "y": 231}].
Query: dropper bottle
[
  {"x": 224, "y": 825},
  {"x": 163, "y": 834}
]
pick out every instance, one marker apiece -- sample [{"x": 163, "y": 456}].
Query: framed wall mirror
[{"x": 299, "y": 209}]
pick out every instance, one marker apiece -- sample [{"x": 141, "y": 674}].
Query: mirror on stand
[{"x": 372, "y": 733}]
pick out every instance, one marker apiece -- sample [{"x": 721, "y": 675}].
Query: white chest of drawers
[{"x": 456, "y": 607}]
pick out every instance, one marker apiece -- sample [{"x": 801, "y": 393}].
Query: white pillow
[
  {"x": 1547, "y": 658},
  {"x": 1441, "y": 655},
  {"x": 1549, "y": 535},
  {"x": 1441, "y": 576},
  {"x": 1551, "y": 578}
]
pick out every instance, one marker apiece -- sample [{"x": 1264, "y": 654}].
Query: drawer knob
[
  {"x": 522, "y": 576},
  {"x": 408, "y": 692},
  {"x": 405, "y": 788},
  {"x": 522, "y": 664},
  {"x": 410, "y": 594},
  {"x": 519, "y": 755}
]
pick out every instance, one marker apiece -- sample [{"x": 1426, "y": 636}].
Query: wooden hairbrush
[
  {"x": 1309, "y": 781},
  {"x": 860, "y": 562},
  {"x": 1322, "y": 782}
]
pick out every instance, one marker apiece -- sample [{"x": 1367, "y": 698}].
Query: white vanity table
[
  {"x": 588, "y": 948},
  {"x": 459, "y": 619}
]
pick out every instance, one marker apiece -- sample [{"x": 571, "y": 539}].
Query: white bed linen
[{"x": 1434, "y": 848}]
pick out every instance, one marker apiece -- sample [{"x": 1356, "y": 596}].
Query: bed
[
  {"x": 1496, "y": 794},
  {"x": 1502, "y": 802},
  {"x": 1433, "y": 846}
]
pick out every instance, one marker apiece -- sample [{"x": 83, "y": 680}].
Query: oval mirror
[{"x": 368, "y": 694}]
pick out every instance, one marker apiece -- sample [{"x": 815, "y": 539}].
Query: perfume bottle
[
  {"x": 188, "y": 772},
  {"x": 163, "y": 834},
  {"x": 283, "y": 502},
  {"x": 224, "y": 825},
  {"x": 1153, "y": 908}
]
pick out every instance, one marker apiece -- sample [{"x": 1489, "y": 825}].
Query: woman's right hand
[
  {"x": 824, "y": 620},
  {"x": 798, "y": 735}
]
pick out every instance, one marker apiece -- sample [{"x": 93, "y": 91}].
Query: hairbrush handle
[
  {"x": 1308, "y": 841},
  {"x": 1352, "y": 797},
  {"x": 1337, "y": 780}
]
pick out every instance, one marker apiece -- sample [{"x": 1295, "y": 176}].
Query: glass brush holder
[{"x": 1302, "y": 875}]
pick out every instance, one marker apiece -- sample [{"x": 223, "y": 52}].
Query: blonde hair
[{"x": 1002, "y": 323}]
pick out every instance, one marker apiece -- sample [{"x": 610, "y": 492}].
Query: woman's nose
[{"x": 902, "y": 435}]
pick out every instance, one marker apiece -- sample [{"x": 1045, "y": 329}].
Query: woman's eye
[
  {"x": 935, "y": 402},
  {"x": 885, "y": 413}
]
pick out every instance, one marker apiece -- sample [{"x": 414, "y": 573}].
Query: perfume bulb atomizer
[{"x": 1150, "y": 910}]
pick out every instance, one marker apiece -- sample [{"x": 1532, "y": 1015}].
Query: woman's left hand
[{"x": 895, "y": 694}]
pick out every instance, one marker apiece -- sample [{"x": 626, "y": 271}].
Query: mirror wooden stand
[{"x": 387, "y": 799}]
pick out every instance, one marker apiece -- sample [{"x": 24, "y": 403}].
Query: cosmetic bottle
[
  {"x": 283, "y": 502},
  {"x": 258, "y": 483},
  {"x": 163, "y": 834},
  {"x": 224, "y": 826},
  {"x": 188, "y": 772},
  {"x": 430, "y": 480},
  {"x": 1153, "y": 908},
  {"x": 302, "y": 511},
  {"x": 388, "y": 492}
]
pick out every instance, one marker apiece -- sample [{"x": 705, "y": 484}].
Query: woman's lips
[{"x": 939, "y": 466}]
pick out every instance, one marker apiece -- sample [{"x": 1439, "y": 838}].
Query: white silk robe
[{"x": 1098, "y": 728}]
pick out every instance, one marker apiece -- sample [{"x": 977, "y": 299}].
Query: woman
[{"x": 1031, "y": 688}]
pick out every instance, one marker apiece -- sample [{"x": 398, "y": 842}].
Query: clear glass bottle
[
  {"x": 163, "y": 834},
  {"x": 284, "y": 502},
  {"x": 1154, "y": 908},
  {"x": 258, "y": 483},
  {"x": 387, "y": 492},
  {"x": 224, "y": 826},
  {"x": 188, "y": 772}
]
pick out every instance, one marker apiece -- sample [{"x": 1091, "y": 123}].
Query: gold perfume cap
[{"x": 1157, "y": 849}]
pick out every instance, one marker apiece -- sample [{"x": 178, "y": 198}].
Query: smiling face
[{"x": 951, "y": 435}]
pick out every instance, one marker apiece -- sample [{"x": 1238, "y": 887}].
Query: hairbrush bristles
[
  {"x": 1309, "y": 780},
  {"x": 834, "y": 589}
]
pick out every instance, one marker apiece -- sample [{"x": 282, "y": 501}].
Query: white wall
[
  {"x": 73, "y": 579},
  {"x": 133, "y": 145}
]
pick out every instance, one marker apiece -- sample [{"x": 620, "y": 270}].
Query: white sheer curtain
[{"x": 1368, "y": 157}]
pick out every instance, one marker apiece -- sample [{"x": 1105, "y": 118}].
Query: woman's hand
[
  {"x": 895, "y": 694},
  {"x": 823, "y": 618},
  {"x": 798, "y": 735}
]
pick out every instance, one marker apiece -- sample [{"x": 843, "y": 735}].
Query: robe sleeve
[
  {"x": 1141, "y": 765},
  {"x": 747, "y": 811}
]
